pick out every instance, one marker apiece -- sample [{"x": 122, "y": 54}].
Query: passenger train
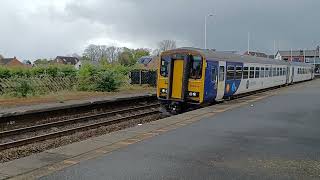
[{"x": 191, "y": 76}]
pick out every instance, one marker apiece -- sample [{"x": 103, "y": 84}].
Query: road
[{"x": 275, "y": 138}]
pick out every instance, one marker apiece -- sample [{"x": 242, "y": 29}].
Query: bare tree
[
  {"x": 166, "y": 45},
  {"x": 112, "y": 53},
  {"x": 92, "y": 52},
  {"x": 1, "y": 57}
]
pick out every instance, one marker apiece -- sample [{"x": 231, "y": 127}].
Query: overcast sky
[{"x": 33, "y": 29}]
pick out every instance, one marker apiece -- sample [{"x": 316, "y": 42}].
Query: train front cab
[
  {"x": 186, "y": 79},
  {"x": 180, "y": 80}
]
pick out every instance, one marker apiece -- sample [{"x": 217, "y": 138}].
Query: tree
[
  {"x": 126, "y": 57},
  {"x": 92, "y": 52},
  {"x": 40, "y": 62},
  {"x": 112, "y": 53},
  {"x": 1, "y": 57},
  {"x": 138, "y": 53},
  {"x": 166, "y": 45}
]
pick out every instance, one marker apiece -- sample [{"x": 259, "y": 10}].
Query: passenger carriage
[{"x": 190, "y": 76}]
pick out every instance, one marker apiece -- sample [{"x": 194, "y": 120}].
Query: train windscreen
[{"x": 196, "y": 67}]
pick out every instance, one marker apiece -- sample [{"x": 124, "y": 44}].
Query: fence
[
  {"x": 22, "y": 86},
  {"x": 140, "y": 77}
]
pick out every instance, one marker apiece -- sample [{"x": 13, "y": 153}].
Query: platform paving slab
[
  {"x": 116, "y": 136},
  {"x": 4, "y": 176},
  {"x": 29, "y": 163},
  {"x": 79, "y": 147}
]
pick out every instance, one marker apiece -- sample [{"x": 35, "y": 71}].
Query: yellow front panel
[{"x": 177, "y": 79}]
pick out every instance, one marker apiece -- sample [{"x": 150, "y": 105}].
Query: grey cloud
[{"x": 293, "y": 23}]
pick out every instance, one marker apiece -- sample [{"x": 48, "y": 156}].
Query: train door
[
  {"x": 221, "y": 80},
  {"x": 287, "y": 75},
  {"x": 177, "y": 78},
  {"x": 292, "y": 74}
]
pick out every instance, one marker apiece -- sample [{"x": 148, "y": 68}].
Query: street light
[{"x": 205, "y": 29}]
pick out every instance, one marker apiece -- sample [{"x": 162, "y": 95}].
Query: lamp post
[{"x": 205, "y": 29}]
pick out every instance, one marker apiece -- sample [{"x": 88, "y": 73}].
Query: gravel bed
[
  {"x": 23, "y": 151},
  {"x": 59, "y": 117},
  {"x": 71, "y": 126}
]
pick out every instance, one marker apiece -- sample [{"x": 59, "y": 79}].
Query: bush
[
  {"x": 107, "y": 81},
  {"x": 4, "y": 72},
  {"x": 23, "y": 88},
  {"x": 103, "y": 79}
]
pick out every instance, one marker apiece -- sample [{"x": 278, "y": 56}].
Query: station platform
[
  {"x": 52, "y": 106},
  {"x": 272, "y": 135}
]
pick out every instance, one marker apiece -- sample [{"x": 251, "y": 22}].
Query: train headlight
[
  {"x": 193, "y": 94},
  {"x": 164, "y": 91}
]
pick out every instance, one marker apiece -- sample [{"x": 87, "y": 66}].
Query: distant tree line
[{"x": 113, "y": 54}]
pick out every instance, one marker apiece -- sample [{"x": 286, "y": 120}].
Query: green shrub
[
  {"x": 4, "y": 72},
  {"x": 23, "y": 88},
  {"x": 107, "y": 81},
  {"x": 86, "y": 80},
  {"x": 68, "y": 71}
]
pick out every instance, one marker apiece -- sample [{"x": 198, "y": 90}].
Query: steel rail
[{"x": 52, "y": 135}]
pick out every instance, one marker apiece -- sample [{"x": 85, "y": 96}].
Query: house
[
  {"x": 271, "y": 56},
  {"x": 257, "y": 54},
  {"x": 11, "y": 62},
  {"x": 298, "y": 55},
  {"x": 149, "y": 62},
  {"x": 68, "y": 61}
]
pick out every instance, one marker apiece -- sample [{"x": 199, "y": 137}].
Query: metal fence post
[{"x": 140, "y": 77}]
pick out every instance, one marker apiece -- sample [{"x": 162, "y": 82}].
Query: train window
[
  {"x": 238, "y": 72},
  {"x": 266, "y": 72},
  {"x": 230, "y": 72},
  {"x": 164, "y": 67},
  {"x": 221, "y": 73},
  {"x": 213, "y": 74},
  {"x": 251, "y": 72},
  {"x": 262, "y": 72},
  {"x": 257, "y": 72},
  {"x": 274, "y": 72},
  {"x": 196, "y": 67},
  {"x": 245, "y": 72},
  {"x": 298, "y": 70}
]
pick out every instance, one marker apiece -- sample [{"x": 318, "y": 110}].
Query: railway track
[{"x": 101, "y": 119}]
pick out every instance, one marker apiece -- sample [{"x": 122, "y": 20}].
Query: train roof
[{"x": 213, "y": 55}]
